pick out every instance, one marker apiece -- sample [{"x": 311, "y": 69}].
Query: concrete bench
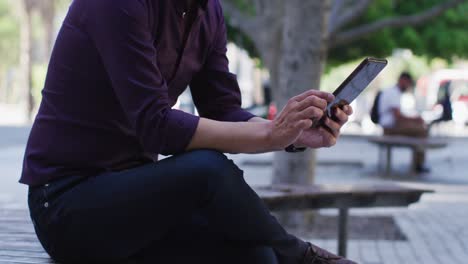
[
  {"x": 341, "y": 197},
  {"x": 387, "y": 143},
  {"x": 18, "y": 242}
]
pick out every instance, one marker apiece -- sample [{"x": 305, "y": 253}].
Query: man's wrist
[
  {"x": 269, "y": 142},
  {"x": 267, "y": 130}
]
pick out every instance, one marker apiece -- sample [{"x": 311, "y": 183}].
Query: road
[{"x": 12, "y": 142}]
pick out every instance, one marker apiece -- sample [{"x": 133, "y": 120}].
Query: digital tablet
[{"x": 353, "y": 86}]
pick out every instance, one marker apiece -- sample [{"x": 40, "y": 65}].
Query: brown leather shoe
[{"x": 316, "y": 255}]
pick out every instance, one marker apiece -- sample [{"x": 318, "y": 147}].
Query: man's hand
[
  {"x": 296, "y": 117},
  {"x": 325, "y": 137}
]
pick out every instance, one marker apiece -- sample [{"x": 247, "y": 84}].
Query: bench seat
[{"x": 387, "y": 143}]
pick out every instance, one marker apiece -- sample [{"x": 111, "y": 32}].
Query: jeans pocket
[
  {"x": 38, "y": 205},
  {"x": 36, "y": 202}
]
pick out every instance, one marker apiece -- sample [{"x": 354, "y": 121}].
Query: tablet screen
[{"x": 350, "y": 89}]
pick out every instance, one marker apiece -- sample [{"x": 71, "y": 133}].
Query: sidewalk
[{"x": 435, "y": 228}]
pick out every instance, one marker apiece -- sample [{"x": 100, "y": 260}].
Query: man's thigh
[{"x": 113, "y": 215}]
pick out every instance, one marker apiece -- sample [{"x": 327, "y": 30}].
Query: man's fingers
[
  {"x": 348, "y": 110},
  {"x": 303, "y": 95},
  {"x": 312, "y": 101},
  {"x": 333, "y": 126},
  {"x": 304, "y": 124},
  {"x": 341, "y": 115},
  {"x": 324, "y": 95},
  {"x": 311, "y": 112},
  {"x": 329, "y": 139}
]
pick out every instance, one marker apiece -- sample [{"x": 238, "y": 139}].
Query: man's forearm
[
  {"x": 258, "y": 120},
  {"x": 259, "y": 135},
  {"x": 232, "y": 137}
]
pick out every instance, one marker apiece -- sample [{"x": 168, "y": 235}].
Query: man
[
  {"x": 98, "y": 194},
  {"x": 394, "y": 122}
]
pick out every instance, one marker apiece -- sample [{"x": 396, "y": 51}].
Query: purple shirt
[{"x": 117, "y": 69}]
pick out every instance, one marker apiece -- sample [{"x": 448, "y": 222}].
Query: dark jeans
[{"x": 191, "y": 208}]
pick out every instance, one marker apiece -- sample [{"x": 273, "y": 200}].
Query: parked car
[
  {"x": 431, "y": 90},
  {"x": 460, "y": 101}
]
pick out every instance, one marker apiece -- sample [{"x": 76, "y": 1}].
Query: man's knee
[{"x": 215, "y": 164}]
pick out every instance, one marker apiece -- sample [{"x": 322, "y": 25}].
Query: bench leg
[
  {"x": 343, "y": 231},
  {"x": 388, "y": 163},
  {"x": 380, "y": 164},
  {"x": 414, "y": 160},
  {"x": 417, "y": 159}
]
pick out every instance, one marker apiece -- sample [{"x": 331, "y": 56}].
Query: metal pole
[{"x": 342, "y": 231}]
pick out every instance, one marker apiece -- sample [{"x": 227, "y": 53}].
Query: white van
[{"x": 432, "y": 88}]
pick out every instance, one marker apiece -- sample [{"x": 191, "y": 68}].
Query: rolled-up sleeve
[
  {"x": 215, "y": 90},
  {"x": 122, "y": 35}
]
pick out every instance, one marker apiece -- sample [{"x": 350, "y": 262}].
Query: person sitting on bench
[
  {"x": 394, "y": 122},
  {"x": 98, "y": 193}
]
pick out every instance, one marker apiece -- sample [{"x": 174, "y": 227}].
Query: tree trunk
[
  {"x": 270, "y": 51},
  {"x": 48, "y": 15},
  {"x": 4, "y": 91},
  {"x": 301, "y": 65},
  {"x": 26, "y": 53}
]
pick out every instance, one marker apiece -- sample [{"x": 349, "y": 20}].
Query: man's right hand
[
  {"x": 297, "y": 116},
  {"x": 259, "y": 136}
]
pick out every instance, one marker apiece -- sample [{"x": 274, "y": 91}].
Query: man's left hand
[{"x": 325, "y": 137}]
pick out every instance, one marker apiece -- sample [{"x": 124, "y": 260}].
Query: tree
[
  {"x": 47, "y": 11},
  {"x": 26, "y": 47},
  {"x": 294, "y": 38},
  {"x": 443, "y": 36},
  {"x": 9, "y": 41}
]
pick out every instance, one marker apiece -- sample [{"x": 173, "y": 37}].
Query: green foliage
[
  {"x": 243, "y": 41},
  {"x": 62, "y": 4},
  {"x": 9, "y": 36},
  {"x": 444, "y": 37},
  {"x": 236, "y": 35},
  {"x": 39, "y": 72},
  {"x": 245, "y": 6}
]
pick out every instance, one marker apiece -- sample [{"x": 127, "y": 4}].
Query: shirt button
[{"x": 46, "y": 205}]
